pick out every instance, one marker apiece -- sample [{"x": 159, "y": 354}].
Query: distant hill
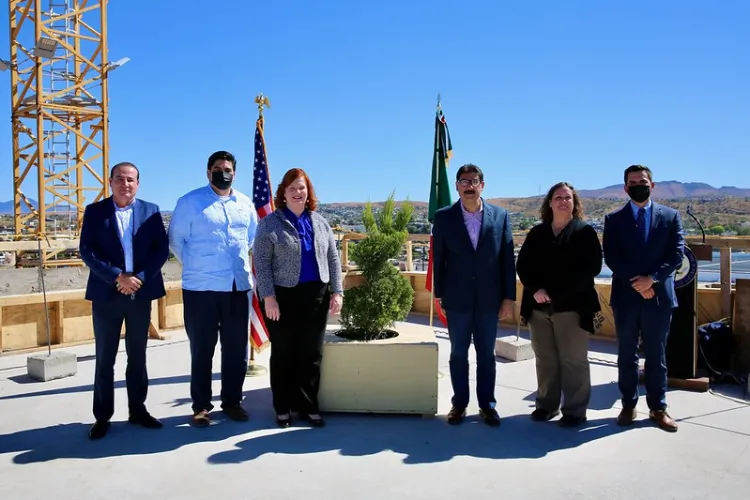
[
  {"x": 670, "y": 190},
  {"x": 667, "y": 190},
  {"x": 713, "y": 206},
  {"x": 6, "y": 207},
  {"x": 375, "y": 204}
]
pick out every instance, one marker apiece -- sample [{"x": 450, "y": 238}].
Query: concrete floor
[{"x": 45, "y": 453}]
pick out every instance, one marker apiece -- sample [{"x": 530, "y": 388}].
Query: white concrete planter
[{"x": 398, "y": 375}]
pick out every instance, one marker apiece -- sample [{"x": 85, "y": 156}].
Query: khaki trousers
[{"x": 562, "y": 366}]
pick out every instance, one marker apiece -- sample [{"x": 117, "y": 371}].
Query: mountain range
[
  {"x": 670, "y": 190},
  {"x": 667, "y": 190}
]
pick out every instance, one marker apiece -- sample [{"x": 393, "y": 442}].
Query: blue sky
[{"x": 534, "y": 92}]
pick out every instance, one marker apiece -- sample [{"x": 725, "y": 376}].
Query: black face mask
[
  {"x": 639, "y": 193},
  {"x": 221, "y": 179}
]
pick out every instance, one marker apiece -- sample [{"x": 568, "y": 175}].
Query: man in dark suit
[
  {"x": 643, "y": 244},
  {"x": 124, "y": 244},
  {"x": 475, "y": 281}
]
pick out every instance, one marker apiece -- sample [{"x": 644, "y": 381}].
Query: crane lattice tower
[{"x": 60, "y": 120}]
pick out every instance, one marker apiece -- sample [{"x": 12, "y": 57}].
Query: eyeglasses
[{"x": 467, "y": 182}]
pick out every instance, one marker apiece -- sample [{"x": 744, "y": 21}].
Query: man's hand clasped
[
  {"x": 128, "y": 284},
  {"x": 644, "y": 286}
]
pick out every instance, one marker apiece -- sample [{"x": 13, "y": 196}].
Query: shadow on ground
[
  {"x": 421, "y": 440},
  {"x": 603, "y": 397},
  {"x": 119, "y": 384},
  {"x": 66, "y": 441}
]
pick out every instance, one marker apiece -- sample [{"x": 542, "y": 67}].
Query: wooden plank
[
  {"x": 162, "y": 312},
  {"x": 63, "y": 295},
  {"x": 23, "y": 326},
  {"x": 153, "y": 332},
  {"x": 77, "y": 321},
  {"x": 699, "y": 384},
  {"x": 38, "y": 298},
  {"x": 737, "y": 242},
  {"x": 726, "y": 281},
  {"x": 57, "y": 321},
  {"x": 409, "y": 259},
  {"x": 31, "y": 246},
  {"x": 741, "y": 325},
  {"x": 345, "y": 253}
]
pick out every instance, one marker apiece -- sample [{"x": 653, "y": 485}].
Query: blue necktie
[{"x": 640, "y": 224}]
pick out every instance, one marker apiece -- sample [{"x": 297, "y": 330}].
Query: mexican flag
[{"x": 440, "y": 190}]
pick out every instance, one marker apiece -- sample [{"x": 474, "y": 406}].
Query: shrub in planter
[{"x": 385, "y": 296}]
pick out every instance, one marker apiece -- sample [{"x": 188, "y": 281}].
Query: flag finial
[
  {"x": 439, "y": 108},
  {"x": 261, "y": 101}
]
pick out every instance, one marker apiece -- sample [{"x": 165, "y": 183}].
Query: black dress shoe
[
  {"x": 490, "y": 416},
  {"x": 542, "y": 415},
  {"x": 99, "y": 430},
  {"x": 313, "y": 419},
  {"x": 456, "y": 415},
  {"x": 284, "y": 420},
  {"x": 236, "y": 413},
  {"x": 571, "y": 421},
  {"x": 145, "y": 420}
]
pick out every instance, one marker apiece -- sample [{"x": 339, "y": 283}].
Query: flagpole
[
  {"x": 253, "y": 368},
  {"x": 429, "y": 256}
]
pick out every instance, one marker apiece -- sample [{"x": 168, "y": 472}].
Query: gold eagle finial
[{"x": 261, "y": 101}]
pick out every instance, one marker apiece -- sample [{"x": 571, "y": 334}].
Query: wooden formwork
[{"x": 23, "y": 327}]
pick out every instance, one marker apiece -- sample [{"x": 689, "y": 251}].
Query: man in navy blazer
[
  {"x": 475, "y": 281},
  {"x": 643, "y": 245},
  {"x": 124, "y": 244}
]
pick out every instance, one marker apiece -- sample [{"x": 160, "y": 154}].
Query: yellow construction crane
[{"x": 59, "y": 71}]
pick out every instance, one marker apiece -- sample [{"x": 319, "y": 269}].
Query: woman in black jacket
[{"x": 557, "y": 265}]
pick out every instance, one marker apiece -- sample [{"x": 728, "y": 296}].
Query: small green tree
[{"x": 385, "y": 296}]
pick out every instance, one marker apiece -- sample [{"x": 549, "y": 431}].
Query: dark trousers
[
  {"x": 108, "y": 316},
  {"x": 651, "y": 323},
  {"x": 297, "y": 346},
  {"x": 482, "y": 327},
  {"x": 209, "y": 317}
]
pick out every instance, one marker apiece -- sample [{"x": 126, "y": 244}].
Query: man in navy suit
[
  {"x": 124, "y": 244},
  {"x": 643, "y": 244},
  {"x": 475, "y": 281}
]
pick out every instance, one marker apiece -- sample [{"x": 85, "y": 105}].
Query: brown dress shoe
[
  {"x": 490, "y": 416},
  {"x": 201, "y": 419},
  {"x": 456, "y": 415},
  {"x": 627, "y": 416},
  {"x": 663, "y": 420}
]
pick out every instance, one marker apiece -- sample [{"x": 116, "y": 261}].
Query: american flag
[{"x": 263, "y": 201}]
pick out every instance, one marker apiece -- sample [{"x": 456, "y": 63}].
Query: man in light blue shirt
[{"x": 211, "y": 234}]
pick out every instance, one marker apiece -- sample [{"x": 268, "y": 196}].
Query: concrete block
[
  {"x": 397, "y": 375},
  {"x": 46, "y": 367},
  {"x": 512, "y": 349}
]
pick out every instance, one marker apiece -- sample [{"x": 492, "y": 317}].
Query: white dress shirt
[{"x": 125, "y": 230}]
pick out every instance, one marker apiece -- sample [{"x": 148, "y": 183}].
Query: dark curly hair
[{"x": 545, "y": 211}]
